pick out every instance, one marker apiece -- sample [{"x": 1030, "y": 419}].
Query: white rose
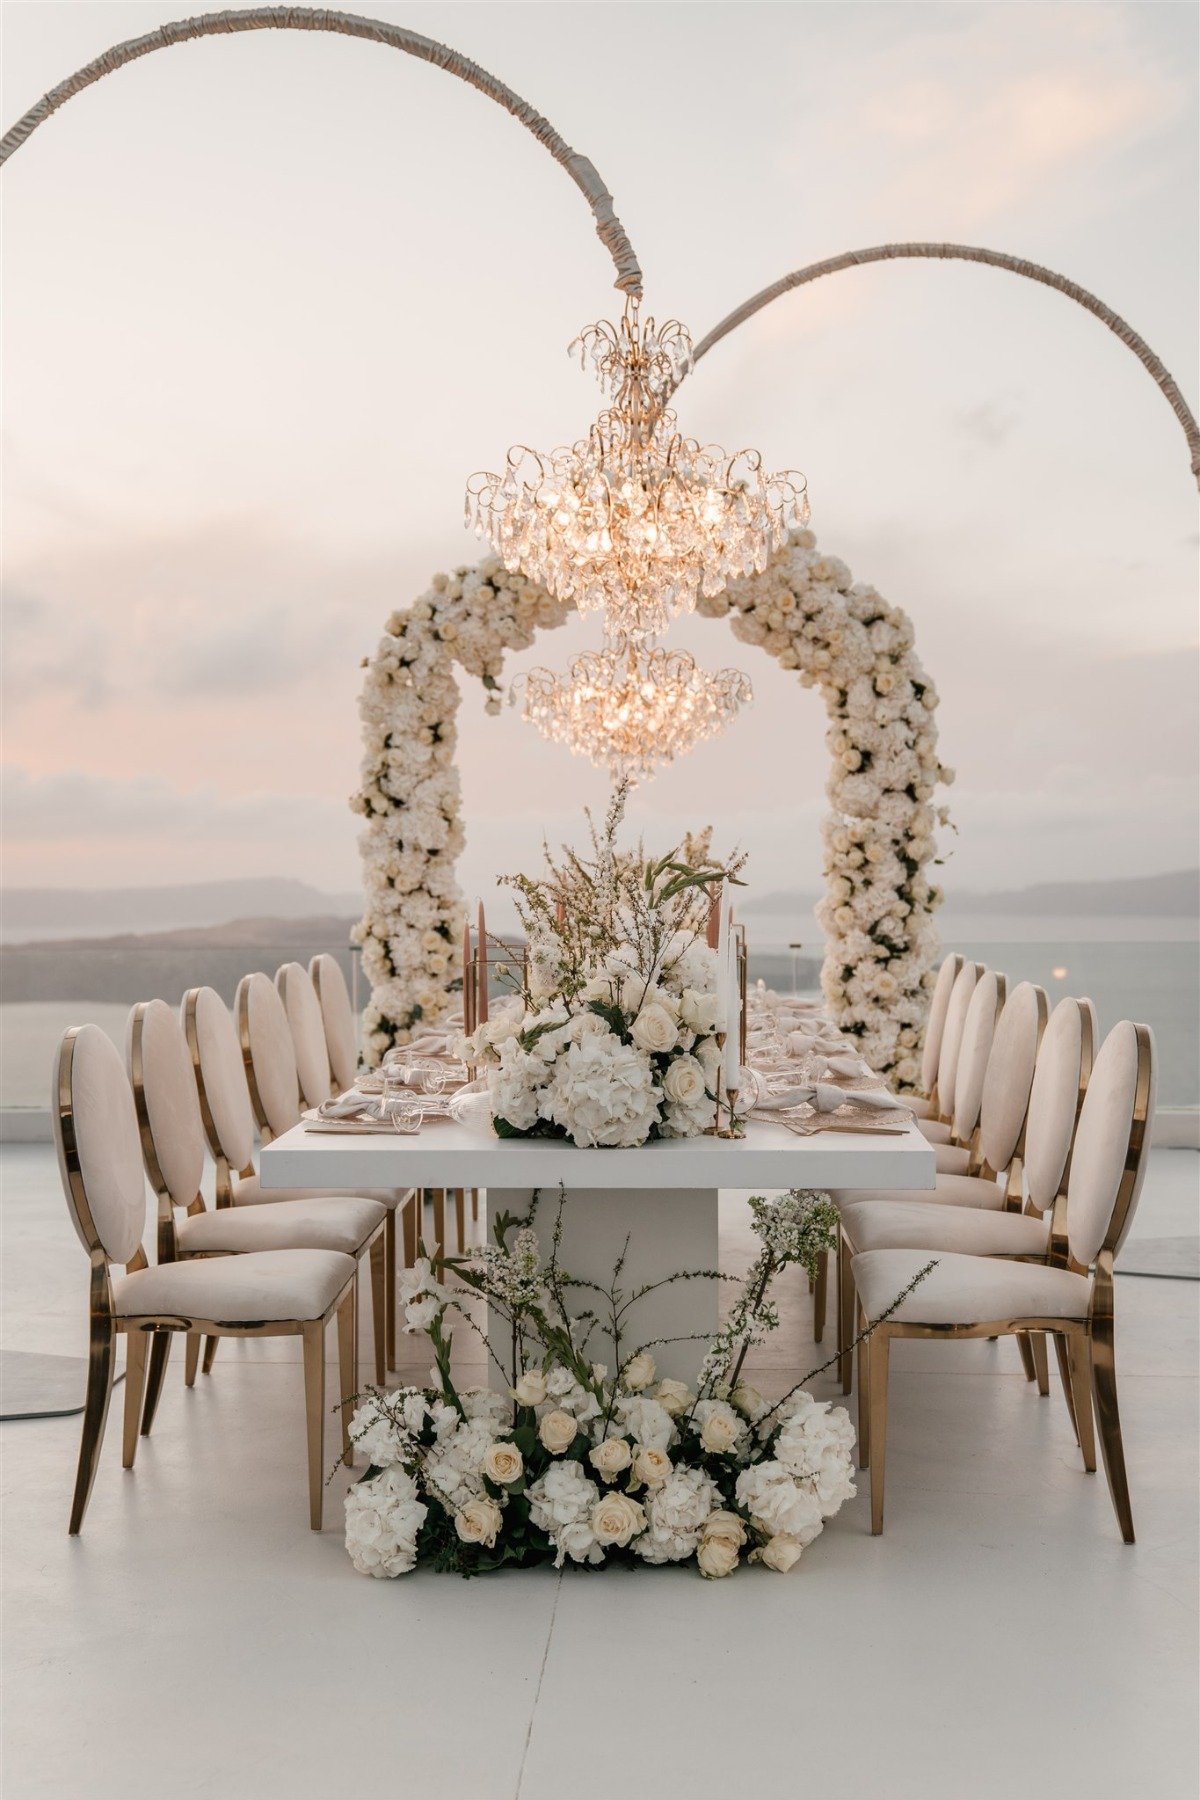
[
  {"x": 716, "y": 1557},
  {"x": 503, "y": 1464},
  {"x": 781, "y": 1553},
  {"x": 674, "y": 1397},
  {"x": 748, "y": 1401},
  {"x": 701, "y": 1012},
  {"x": 650, "y": 1467},
  {"x": 726, "y": 1526},
  {"x": 479, "y": 1522},
  {"x": 557, "y": 1432},
  {"x": 616, "y": 1519},
  {"x": 640, "y": 1371},
  {"x": 530, "y": 1389},
  {"x": 721, "y": 1429},
  {"x": 654, "y": 1030},
  {"x": 684, "y": 1082},
  {"x": 610, "y": 1457}
]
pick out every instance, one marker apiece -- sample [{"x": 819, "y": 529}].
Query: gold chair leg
[
  {"x": 136, "y": 1346},
  {"x": 439, "y": 1219},
  {"x": 191, "y": 1359},
  {"x": 314, "y": 1405},
  {"x": 1026, "y": 1348},
  {"x": 1041, "y": 1362},
  {"x": 210, "y": 1351},
  {"x": 347, "y": 1324},
  {"x": 878, "y": 1366},
  {"x": 1068, "y": 1388},
  {"x": 864, "y": 1392},
  {"x": 389, "y": 1285},
  {"x": 1080, "y": 1364},
  {"x": 460, "y": 1218},
  {"x": 820, "y": 1292},
  {"x": 378, "y": 1252},
  {"x": 1108, "y": 1418},
  {"x": 845, "y": 1315},
  {"x": 95, "y": 1416},
  {"x": 475, "y": 1205},
  {"x": 160, "y": 1350}
]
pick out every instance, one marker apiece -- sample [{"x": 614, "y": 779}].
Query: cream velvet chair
[
  {"x": 337, "y": 1014},
  {"x": 967, "y": 1211},
  {"x": 284, "y": 1293},
  {"x": 229, "y": 1124},
  {"x": 269, "y": 1060},
  {"x": 939, "y": 1128},
  {"x": 925, "y": 1104},
  {"x": 978, "y": 1296},
  {"x": 173, "y": 1150},
  {"x": 306, "y": 1020}
]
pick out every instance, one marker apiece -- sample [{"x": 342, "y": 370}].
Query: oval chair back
[
  {"x": 952, "y": 1033},
  {"x": 341, "y": 1036},
  {"x": 267, "y": 1055},
  {"x": 168, "y": 1115},
  {"x": 935, "y": 1024},
  {"x": 220, "y": 1076},
  {"x": 1008, "y": 1082},
  {"x": 1059, "y": 1078},
  {"x": 979, "y": 1030},
  {"x": 1112, "y": 1144},
  {"x": 307, "y": 1027},
  {"x": 99, "y": 1152}
]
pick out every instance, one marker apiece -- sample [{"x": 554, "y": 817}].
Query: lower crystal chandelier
[
  {"x": 633, "y": 705},
  {"x": 636, "y": 520}
]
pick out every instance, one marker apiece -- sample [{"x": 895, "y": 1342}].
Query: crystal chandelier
[
  {"x": 632, "y": 705},
  {"x": 635, "y": 520}
]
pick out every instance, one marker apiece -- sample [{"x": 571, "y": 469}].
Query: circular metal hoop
[
  {"x": 995, "y": 259},
  {"x": 609, "y": 229}
]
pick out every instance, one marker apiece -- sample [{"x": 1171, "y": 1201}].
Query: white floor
[{"x": 998, "y": 1639}]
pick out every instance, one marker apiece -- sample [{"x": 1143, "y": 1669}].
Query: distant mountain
[
  {"x": 1173, "y": 895},
  {"x": 55, "y": 913}
]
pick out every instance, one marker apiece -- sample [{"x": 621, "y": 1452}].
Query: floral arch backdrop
[{"x": 805, "y": 610}]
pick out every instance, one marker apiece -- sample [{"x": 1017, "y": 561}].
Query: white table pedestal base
[{"x": 669, "y": 1229}]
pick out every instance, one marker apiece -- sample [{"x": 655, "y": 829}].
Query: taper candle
[
  {"x": 468, "y": 985},
  {"x": 481, "y": 971}
]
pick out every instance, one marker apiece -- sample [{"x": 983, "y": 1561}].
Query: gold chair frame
[
  {"x": 105, "y": 1325},
  {"x": 1086, "y": 1348}
]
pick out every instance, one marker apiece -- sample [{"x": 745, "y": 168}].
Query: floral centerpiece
[
  {"x": 572, "y": 1462},
  {"x": 614, "y": 1037}
]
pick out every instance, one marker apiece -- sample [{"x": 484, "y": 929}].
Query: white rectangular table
[{"x": 663, "y": 1196}]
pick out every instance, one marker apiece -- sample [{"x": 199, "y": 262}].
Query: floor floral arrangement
[
  {"x": 615, "y": 1035},
  {"x": 571, "y": 1462}
]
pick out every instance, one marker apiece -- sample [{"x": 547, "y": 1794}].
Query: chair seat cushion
[
  {"x": 967, "y": 1290},
  {"x": 303, "y": 1225},
  {"x": 918, "y": 1105},
  {"x": 915, "y": 1225},
  {"x": 934, "y": 1130},
  {"x": 952, "y": 1159},
  {"x": 248, "y": 1190},
  {"x": 951, "y": 1190},
  {"x": 237, "y": 1290}
]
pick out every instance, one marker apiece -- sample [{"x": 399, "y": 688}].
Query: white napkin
[
  {"x": 827, "y": 1099},
  {"x": 851, "y": 1068},
  {"x": 350, "y": 1106},
  {"x": 802, "y": 1043}
]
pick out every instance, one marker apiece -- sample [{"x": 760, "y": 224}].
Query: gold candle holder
[
  {"x": 714, "y": 1130},
  {"x": 733, "y": 1129}
]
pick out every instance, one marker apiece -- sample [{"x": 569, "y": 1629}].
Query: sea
[{"x": 1146, "y": 969}]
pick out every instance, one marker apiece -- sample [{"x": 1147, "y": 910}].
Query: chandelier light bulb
[{"x": 635, "y": 520}]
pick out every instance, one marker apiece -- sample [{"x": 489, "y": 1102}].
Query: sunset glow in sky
[{"x": 269, "y": 300}]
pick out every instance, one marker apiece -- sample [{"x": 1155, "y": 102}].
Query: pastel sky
[{"x": 269, "y": 300}]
